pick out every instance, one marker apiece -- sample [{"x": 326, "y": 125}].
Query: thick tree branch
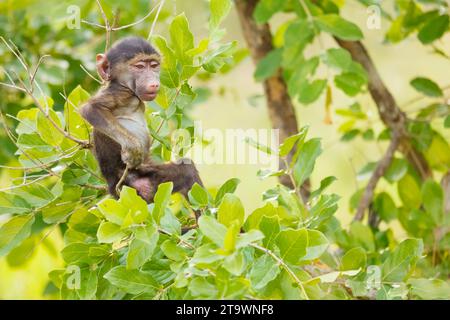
[
  {"x": 388, "y": 109},
  {"x": 281, "y": 109}
]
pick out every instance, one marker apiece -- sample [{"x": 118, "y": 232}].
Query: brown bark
[
  {"x": 393, "y": 117},
  {"x": 280, "y": 107},
  {"x": 389, "y": 111},
  {"x": 380, "y": 170}
]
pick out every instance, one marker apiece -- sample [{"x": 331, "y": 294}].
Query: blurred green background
[{"x": 39, "y": 27}]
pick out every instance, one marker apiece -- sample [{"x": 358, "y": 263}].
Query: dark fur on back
[{"x": 128, "y": 48}]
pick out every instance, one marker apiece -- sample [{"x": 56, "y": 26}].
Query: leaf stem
[{"x": 285, "y": 267}]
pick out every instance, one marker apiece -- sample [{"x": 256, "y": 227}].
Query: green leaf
[
  {"x": 430, "y": 289},
  {"x": 109, "y": 232},
  {"x": 447, "y": 122},
  {"x": 264, "y": 270},
  {"x": 212, "y": 229},
  {"x": 338, "y": 58},
  {"x": 265, "y": 9},
  {"x": 310, "y": 92},
  {"x": 75, "y": 124},
  {"x": 14, "y": 231},
  {"x": 399, "y": 263},
  {"x": 245, "y": 239},
  {"x": 229, "y": 244},
  {"x": 169, "y": 222},
  {"x": 298, "y": 35},
  {"x": 172, "y": 251},
  {"x": 409, "y": 192},
  {"x": 181, "y": 36},
  {"x": 385, "y": 207},
  {"x": 339, "y": 27},
  {"x": 87, "y": 286},
  {"x": 354, "y": 259},
  {"x": 433, "y": 200},
  {"x": 35, "y": 194},
  {"x": 228, "y": 187},
  {"x": 216, "y": 58},
  {"x": 131, "y": 281},
  {"x": 427, "y": 87},
  {"x": 142, "y": 246},
  {"x": 161, "y": 199},
  {"x": 325, "y": 183},
  {"x": 198, "y": 196},
  {"x": 289, "y": 143},
  {"x": 269, "y": 65},
  {"x": 438, "y": 153},
  {"x": 137, "y": 207},
  {"x": 350, "y": 83},
  {"x": 323, "y": 209},
  {"x": 304, "y": 166},
  {"x": 27, "y": 118},
  {"x": 46, "y": 128},
  {"x": 270, "y": 227},
  {"x": 79, "y": 252},
  {"x": 201, "y": 287},
  {"x": 219, "y": 10},
  {"x": 18, "y": 256},
  {"x": 434, "y": 29},
  {"x": 230, "y": 210},
  {"x": 317, "y": 245},
  {"x": 292, "y": 244},
  {"x": 362, "y": 235},
  {"x": 235, "y": 263},
  {"x": 113, "y": 211},
  {"x": 254, "y": 219},
  {"x": 396, "y": 170}
]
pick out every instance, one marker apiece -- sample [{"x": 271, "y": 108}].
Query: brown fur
[{"x": 120, "y": 131}]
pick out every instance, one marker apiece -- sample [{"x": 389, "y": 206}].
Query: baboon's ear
[{"x": 103, "y": 66}]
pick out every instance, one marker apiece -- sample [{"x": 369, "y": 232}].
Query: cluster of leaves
[
  {"x": 130, "y": 250},
  {"x": 311, "y": 19},
  {"x": 420, "y": 208}
]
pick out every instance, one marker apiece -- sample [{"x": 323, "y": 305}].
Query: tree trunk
[{"x": 281, "y": 109}]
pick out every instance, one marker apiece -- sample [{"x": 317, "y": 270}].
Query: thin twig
[
  {"x": 380, "y": 170},
  {"x": 156, "y": 18},
  {"x": 284, "y": 266},
  {"x": 29, "y": 92},
  {"x": 187, "y": 244},
  {"x": 90, "y": 75},
  {"x": 25, "y": 183},
  {"x": 12, "y": 86},
  {"x": 122, "y": 179},
  {"x": 94, "y": 186},
  {"x": 107, "y": 25},
  {"x": 33, "y": 75},
  {"x": 122, "y": 27}
]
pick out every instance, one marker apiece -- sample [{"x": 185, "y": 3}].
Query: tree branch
[
  {"x": 390, "y": 113},
  {"x": 284, "y": 266},
  {"x": 281, "y": 109},
  {"x": 380, "y": 170}
]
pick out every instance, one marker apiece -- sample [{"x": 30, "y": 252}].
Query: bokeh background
[{"x": 234, "y": 101}]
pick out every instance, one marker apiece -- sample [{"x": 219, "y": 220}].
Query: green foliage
[
  {"x": 289, "y": 248},
  {"x": 427, "y": 87}
]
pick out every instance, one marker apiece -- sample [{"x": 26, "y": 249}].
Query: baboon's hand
[{"x": 133, "y": 154}]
